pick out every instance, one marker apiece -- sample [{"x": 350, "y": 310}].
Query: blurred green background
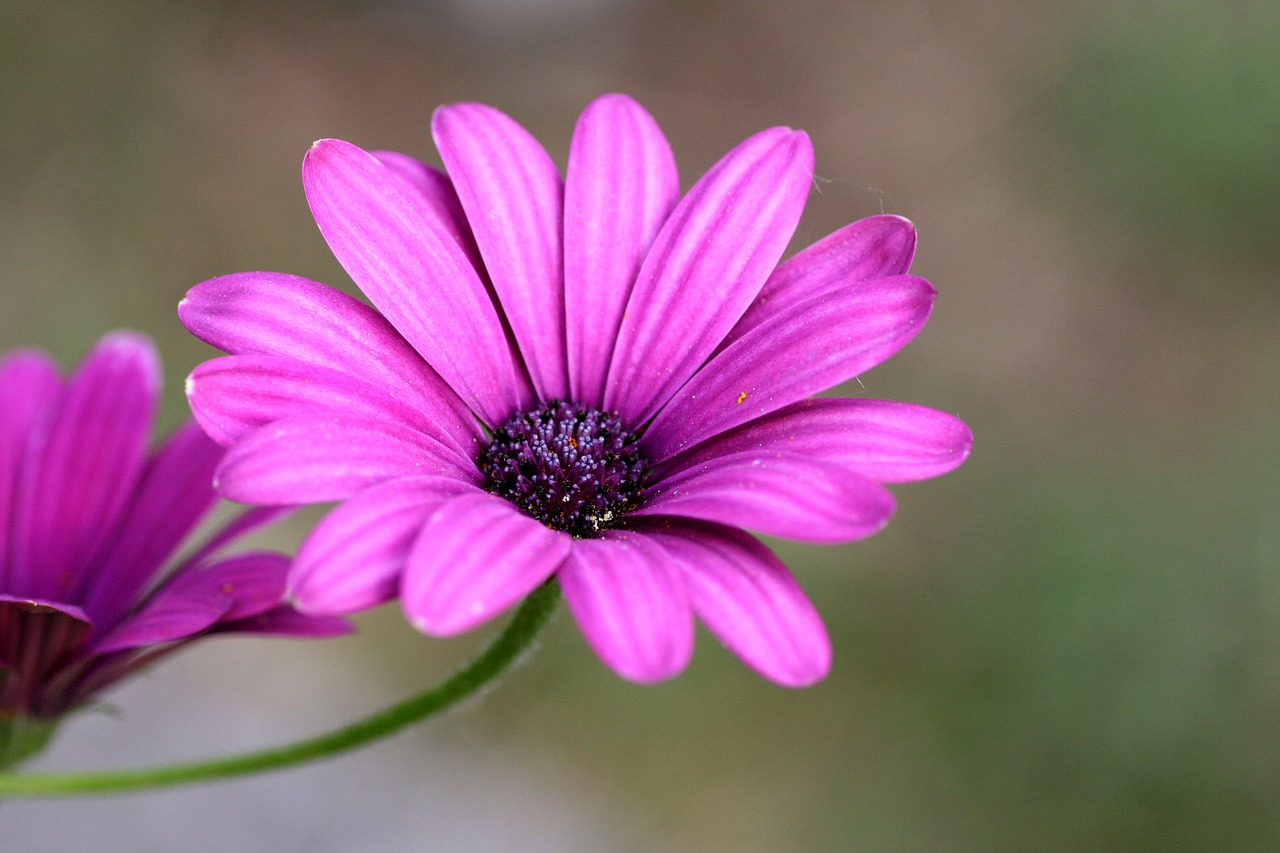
[{"x": 1072, "y": 643}]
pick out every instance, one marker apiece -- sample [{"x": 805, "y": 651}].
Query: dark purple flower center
[{"x": 574, "y": 469}]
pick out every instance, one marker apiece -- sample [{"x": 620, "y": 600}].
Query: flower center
[{"x": 574, "y": 469}]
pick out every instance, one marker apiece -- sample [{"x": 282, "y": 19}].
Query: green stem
[{"x": 529, "y": 619}]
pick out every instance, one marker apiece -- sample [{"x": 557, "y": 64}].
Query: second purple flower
[{"x": 591, "y": 378}]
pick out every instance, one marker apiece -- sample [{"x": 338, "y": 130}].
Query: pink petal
[
  {"x": 438, "y": 193},
  {"x": 352, "y": 560},
  {"x": 284, "y": 621},
  {"x": 235, "y": 395},
  {"x": 395, "y": 247},
  {"x": 620, "y": 187},
  {"x": 514, "y": 199},
  {"x": 749, "y": 600},
  {"x": 886, "y": 441},
  {"x": 175, "y": 493},
  {"x": 273, "y": 314},
  {"x": 476, "y": 556},
  {"x": 777, "y": 493},
  {"x": 198, "y": 596},
  {"x": 76, "y": 483},
  {"x": 875, "y": 247},
  {"x": 309, "y": 459},
  {"x": 167, "y": 617},
  {"x": 255, "y": 581},
  {"x": 29, "y": 387},
  {"x": 631, "y": 604},
  {"x": 806, "y": 349},
  {"x": 706, "y": 266}
]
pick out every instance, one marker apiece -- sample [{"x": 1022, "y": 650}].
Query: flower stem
[{"x": 519, "y": 634}]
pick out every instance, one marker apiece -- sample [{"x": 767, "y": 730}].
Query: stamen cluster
[{"x": 574, "y": 469}]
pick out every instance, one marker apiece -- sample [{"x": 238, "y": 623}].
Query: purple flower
[
  {"x": 590, "y": 378},
  {"x": 89, "y": 521}
]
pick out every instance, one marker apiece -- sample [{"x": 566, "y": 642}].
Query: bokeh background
[{"x": 1072, "y": 643}]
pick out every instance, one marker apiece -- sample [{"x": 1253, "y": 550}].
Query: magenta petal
[
  {"x": 175, "y": 493},
  {"x": 620, "y": 187},
  {"x": 29, "y": 382},
  {"x": 631, "y": 604},
  {"x": 437, "y": 192},
  {"x": 273, "y": 314},
  {"x": 29, "y": 387},
  {"x": 748, "y": 599},
  {"x": 76, "y": 484},
  {"x": 706, "y": 266},
  {"x": 806, "y": 349},
  {"x": 352, "y": 560},
  {"x": 235, "y": 395},
  {"x": 284, "y": 621},
  {"x": 198, "y": 596},
  {"x": 255, "y": 581},
  {"x": 308, "y": 459},
  {"x": 875, "y": 247},
  {"x": 886, "y": 441},
  {"x": 395, "y": 247},
  {"x": 476, "y": 556},
  {"x": 780, "y": 494},
  {"x": 514, "y": 199},
  {"x": 168, "y": 616}
]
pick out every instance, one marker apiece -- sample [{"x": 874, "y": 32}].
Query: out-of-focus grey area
[{"x": 1072, "y": 643}]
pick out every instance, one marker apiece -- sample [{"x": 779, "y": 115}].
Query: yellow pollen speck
[
  {"x": 228, "y": 588},
  {"x": 742, "y": 396}
]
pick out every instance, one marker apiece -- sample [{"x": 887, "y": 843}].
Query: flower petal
[
  {"x": 875, "y": 247},
  {"x": 76, "y": 483},
  {"x": 438, "y": 193},
  {"x": 175, "y": 493},
  {"x": 168, "y": 616},
  {"x": 475, "y": 557},
  {"x": 284, "y": 621},
  {"x": 514, "y": 199},
  {"x": 314, "y": 458},
  {"x": 234, "y": 395},
  {"x": 353, "y": 558},
  {"x": 274, "y": 314},
  {"x": 801, "y": 351},
  {"x": 29, "y": 387},
  {"x": 748, "y": 599},
  {"x": 395, "y": 247},
  {"x": 255, "y": 581},
  {"x": 706, "y": 266},
  {"x": 777, "y": 493},
  {"x": 198, "y": 596},
  {"x": 886, "y": 441},
  {"x": 631, "y": 604},
  {"x": 620, "y": 187}
]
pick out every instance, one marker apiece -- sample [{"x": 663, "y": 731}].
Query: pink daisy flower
[
  {"x": 592, "y": 379},
  {"x": 89, "y": 523}
]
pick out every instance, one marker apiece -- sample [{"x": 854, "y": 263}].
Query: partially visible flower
[
  {"x": 589, "y": 378},
  {"x": 89, "y": 523}
]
